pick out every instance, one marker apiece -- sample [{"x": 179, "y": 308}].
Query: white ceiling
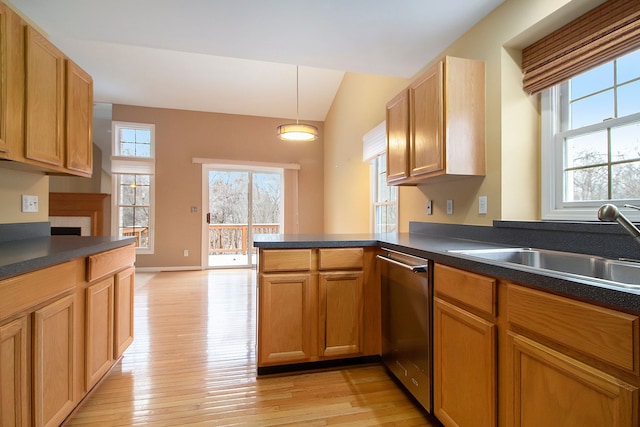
[{"x": 240, "y": 56}]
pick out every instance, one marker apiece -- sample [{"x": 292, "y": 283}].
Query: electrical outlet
[
  {"x": 482, "y": 205},
  {"x": 186, "y": 252},
  {"x": 29, "y": 203},
  {"x": 429, "y": 207},
  {"x": 449, "y": 207}
]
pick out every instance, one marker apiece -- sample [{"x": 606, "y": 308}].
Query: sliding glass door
[{"x": 241, "y": 202}]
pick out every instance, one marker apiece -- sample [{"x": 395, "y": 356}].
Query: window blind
[
  {"x": 602, "y": 34},
  {"x": 374, "y": 142}
]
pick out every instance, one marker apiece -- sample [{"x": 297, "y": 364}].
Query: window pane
[
  {"x": 627, "y": 67},
  {"x": 126, "y": 217},
  {"x": 625, "y": 143},
  {"x": 127, "y": 135},
  {"x": 586, "y": 184},
  {"x": 585, "y": 150},
  {"x": 626, "y": 183},
  {"x": 628, "y": 99},
  {"x": 128, "y": 149},
  {"x": 128, "y": 195},
  {"x": 592, "y": 81},
  {"x": 593, "y": 109}
]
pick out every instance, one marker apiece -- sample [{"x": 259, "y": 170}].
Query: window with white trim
[
  {"x": 384, "y": 198},
  {"x": 591, "y": 141},
  {"x": 133, "y": 169}
]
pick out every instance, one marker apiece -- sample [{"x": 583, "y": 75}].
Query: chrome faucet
[{"x": 610, "y": 212}]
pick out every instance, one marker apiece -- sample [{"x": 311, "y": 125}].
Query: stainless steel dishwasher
[{"x": 407, "y": 300}]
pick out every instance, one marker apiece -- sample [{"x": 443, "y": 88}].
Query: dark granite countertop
[
  {"x": 24, "y": 255},
  {"x": 436, "y": 247}
]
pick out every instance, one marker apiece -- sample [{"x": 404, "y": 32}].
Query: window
[
  {"x": 384, "y": 197},
  {"x": 133, "y": 168},
  {"x": 591, "y": 141}
]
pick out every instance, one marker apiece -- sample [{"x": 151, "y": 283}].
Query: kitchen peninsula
[
  {"x": 66, "y": 317},
  {"x": 497, "y": 328}
]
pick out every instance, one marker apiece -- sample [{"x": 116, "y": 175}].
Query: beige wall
[
  {"x": 512, "y": 182},
  {"x": 358, "y": 107},
  {"x": 183, "y": 135},
  {"x": 13, "y": 184}
]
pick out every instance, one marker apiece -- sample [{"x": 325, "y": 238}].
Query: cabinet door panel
[
  {"x": 99, "y": 331},
  {"x": 552, "y": 389},
  {"x": 79, "y": 120},
  {"x": 53, "y": 362},
  {"x": 465, "y": 391},
  {"x": 44, "y": 100},
  {"x": 286, "y": 316},
  {"x": 340, "y": 312},
  {"x": 14, "y": 362},
  {"x": 398, "y": 138},
  {"x": 124, "y": 301},
  {"x": 427, "y": 139}
]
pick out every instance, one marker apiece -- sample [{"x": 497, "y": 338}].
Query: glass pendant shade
[{"x": 297, "y": 132}]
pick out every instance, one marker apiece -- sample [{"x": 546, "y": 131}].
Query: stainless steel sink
[{"x": 623, "y": 273}]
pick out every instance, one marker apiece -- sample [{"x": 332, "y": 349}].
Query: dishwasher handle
[{"x": 415, "y": 268}]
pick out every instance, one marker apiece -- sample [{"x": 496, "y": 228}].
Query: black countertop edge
[
  {"x": 436, "y": 248},
  {"x": 23, "y": 256}
]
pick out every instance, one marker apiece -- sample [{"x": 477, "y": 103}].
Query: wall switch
[
  {"x": 449, "y": 207},
  {"x": 194, "y": 209},
  {"x": 482, "y": 205},
  {"x": 429, "y": 207},
  {"x": 186, "y": 252},
  {"x": 29, "y": 203}
]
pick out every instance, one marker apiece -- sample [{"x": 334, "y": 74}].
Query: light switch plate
[
  {"x": 429, "y": 207},
  {"x": 29, "y": 203},
  {"x": 449, "y": 207},
  {"x": 482, "y": 205}
]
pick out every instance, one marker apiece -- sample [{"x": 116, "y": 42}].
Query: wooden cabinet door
[
  {"x": 464, "y": 357},
  {"x": 427, "y": 138},
  {"x": 123, "y": 320},
  {"x": 44, "y": 135},
  {"x": 14, "y": 362},
  {"x": 287, "y": 318},
  {"x": 99, "y": 330},
  {"x": 340, "y": 311},
  {"x": 549, "y": 388},
  {"x": 398, "y": 138},
  {"x": 79, "y": 120},
  {"x": 53, "y": 362},
  {"x": 4, "y": 33}
]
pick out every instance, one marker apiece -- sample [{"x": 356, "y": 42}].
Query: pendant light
[{"x": 297, "y": 131}]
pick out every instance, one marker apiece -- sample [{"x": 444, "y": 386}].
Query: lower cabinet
[
  {"x": 54, "y": 362},
  {"x": 313, "y": 305},
  {"x": 58, "y": 334},
  {"x": 464, "y": 348},
  {"x": 123, "y": 311},
  {"x": 552, "y": 389},
  {"x": 99, "y": 331},
  {"x": 15, "y": 359},
  {"x": 340, "y": 314},
  {"x": 286, "y": 318}
]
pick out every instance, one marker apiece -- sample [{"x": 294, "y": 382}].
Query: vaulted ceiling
[{"x": 240, "y": 56}]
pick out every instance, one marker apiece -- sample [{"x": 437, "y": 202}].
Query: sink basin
[{"x": 625, "y": 273}]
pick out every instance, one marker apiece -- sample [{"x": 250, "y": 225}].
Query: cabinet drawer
[
  {"x": 109, "y": 262},
  {"x": 274, "y": 260},
  {"x": 342, "y": 258},
  {"x": 30, "y": 289},
  {"x": 470, "y": 289},
  {"x": 604, "y": 334}
]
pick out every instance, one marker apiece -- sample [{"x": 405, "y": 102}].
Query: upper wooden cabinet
[
  {"x": 46, "y": 102},
  {"x": 435, "y": 128},
  {"x": 44, "y": 137},
  {"x": 79, "y": 117}
]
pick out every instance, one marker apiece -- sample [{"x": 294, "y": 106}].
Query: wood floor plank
[{"x": 193, "y": 362}]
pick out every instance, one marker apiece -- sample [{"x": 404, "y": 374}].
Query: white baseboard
[{"x": 159, "y": 269}]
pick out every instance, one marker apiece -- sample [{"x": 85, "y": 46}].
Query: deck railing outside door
[{"x": 231, "y": 238}]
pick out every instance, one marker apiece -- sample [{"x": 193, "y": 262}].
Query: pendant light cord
[{"x": 297, "y": 97}]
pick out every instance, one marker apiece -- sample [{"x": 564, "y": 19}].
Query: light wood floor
[{"x": 193, "y": 362}]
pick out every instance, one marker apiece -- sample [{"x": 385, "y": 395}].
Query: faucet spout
[{"x": 610, "y": 212}]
